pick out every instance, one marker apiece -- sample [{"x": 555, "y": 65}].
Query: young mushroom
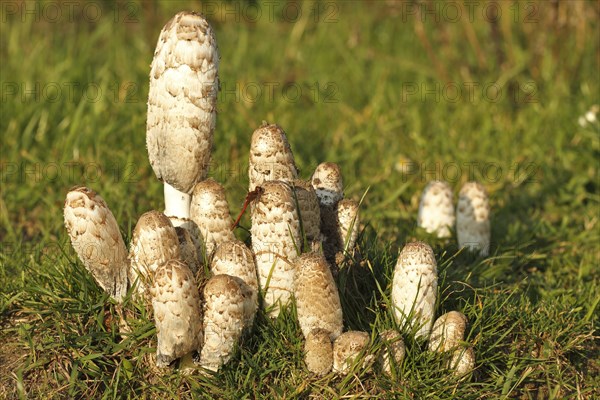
[
  {"x": 448, "y": 331},
  {"x": 348, "y": 221},
  {"x": 473, "y": 218},
  {"x": 392, "y": 351},
  {"x": 188, "y": 249},
  {"x": 96, "y": 238},
  {"x": 308, "y": 206},
  {"x": 463, "y": 362},
  {"x": 346, "y": 350},
  {"x": 182, "y": 108},
  {"x": 436, "y": 209},
  {"x": 318, "y": 352},
  {"x": 328, "y": 183},
  {"x": 414, "y": 288}
]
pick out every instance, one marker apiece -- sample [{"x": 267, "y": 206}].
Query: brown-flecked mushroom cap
[
  {"x": 347, "y": 348},
  {"x": 448, "y": 331},
  {"x": 318, "y": 352},
  {"x": 154, "y": 242},
  {"x": 187, "y": 249},
  {"x": 177, "y": 313},
  {"x": 96, "y": 238},
  {"x": 436, "y": 209},
  {"x": 317, "y": 298},
  {"x": 182, "y": 101},
  {"x": 210, "y": 211},
  {"x": 275, "y": 242},
  {"x": 308, "y": 205},
  {"x": 271, "y": 156},
  {"x": 473, "y": 218},
  {"x": 328, "y": 183},
  {"x": 414, "y": 289},
  {"x": 392, "y": 349},
  {"x": 463, "y": 361},
  {"x": 348, "y": 221},
  {"x": 224, "y": 302}
]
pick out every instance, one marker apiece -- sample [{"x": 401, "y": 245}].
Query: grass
[{"x": 369, "y": 85}]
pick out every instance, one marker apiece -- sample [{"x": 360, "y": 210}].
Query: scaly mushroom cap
[
  {"x": 392, "y": 349},
  {"x": 436, "y": 209},
  {"x": 310, "y": 212},
  {"x": 187, "y": 249},
  {"x": 328, "y": 183},
  {"x": 235, "y": 259},
  {"x": 414, "y": 287},
  {"x": 463, "y": 361},
  {"x": 223, "y": 320},
  {"x": 271, "y": 156},
  {"x": 473, "y": 218},
  {"x": 153, "y": 243},
  {"x": 275, "y": 240},
  {"x": 182, "y": 101},
  {"x": 346, "y": 348},
  {"x": 318, "y": 352},
  {"x": 210, "y": 211},
  {"x": 96, "y": 238},
  {"x": 177, "y": 313},
  {"x": 317, "y": 298},
  {"x": 448, "y": 331},
  {"x": 348, "y": 221}
]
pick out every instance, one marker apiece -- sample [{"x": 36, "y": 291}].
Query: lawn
[{"x": 397, "y": 93}]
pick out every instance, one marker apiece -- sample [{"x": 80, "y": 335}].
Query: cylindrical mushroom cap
[
  {"x": 328, "y": 183},
  {"x": 346, "y": 348},
  {"x": 177, "y": 313},
  {"x": 187, "y": 249},
  {"x": 348, "y": 221},
  {"x": 96, "y": 238},
  {"x": 271, "y": 156},
  {"x": 318, "y": 352},
  {"x": 392, "y": 349},
  {"x": 317, "y": 298},
  {"x": 153, "y": 243},
  {"x": 473, "y": 218},
  {"x": 210, "y": 211},
  {"x": 448, "y": 331},
  {"x": 308, "y": 205},
  {"x": 275, "y": 242},
  {"x": 414, "y": 289},
  {"x": 436, "y": 209},
  {"x": 182, "y": 101}
]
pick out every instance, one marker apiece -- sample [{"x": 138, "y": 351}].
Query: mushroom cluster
[{"x": 204, "y": 286}]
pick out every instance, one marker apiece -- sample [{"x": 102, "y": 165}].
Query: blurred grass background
[{"x": 397, "y": 93}]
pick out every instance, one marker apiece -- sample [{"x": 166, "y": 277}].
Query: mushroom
[
  {"x": 187, "y": 249},
  {"x": 448, "y": 331},
  {"x": 96, "y": 238},
  {"x": 463, "y": 362},
  {"x": 177, "y": 313},
  {"x": 317, "y": 298},
  {"x": 182, "y": 108},
  {"x": 347, "y": 349},
  {"x": 328, "y": 183},
  {"x": 436, "y": 209},
  {"x": 224, "y": 303},
  {"x": 275, "y": 243},
  {"x": 348, "y": 221},
  {"x": 392, "y": 349},
  {"x": 310, "y": 214},
  {"x": 209, "y": 210},
  {"x": 414, "y": 288},
  {"x": 318, "y": 352},
  {"x": 154, "y": 242},
  {"x": 473, "y": 218}
]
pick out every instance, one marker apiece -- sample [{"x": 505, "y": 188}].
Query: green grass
[{"x": 532, "y": 305}]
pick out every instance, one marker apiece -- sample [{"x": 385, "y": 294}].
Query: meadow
[{"x": 397, "y": 93}]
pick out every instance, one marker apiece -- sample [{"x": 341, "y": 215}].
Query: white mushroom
[
  {"x": 275, "y": 243},
  {"x": 177, "y": 313},
  {"x": 346, "y": 350},
  {"x": 348, "y": 221},
  {"x": 328, "y": 183},
  {"x": 318, "y": 352},
  {"x": 210, "y": 211},
  {"x": 414, "y": 288},
  {"x": 153, "y": 243},
  {"x": 317, "y": 298},
  {"x": 182, "y": 108},
  {"x": 271, "y": 157},
  {"x": 392, "y": 349},
  {"x": 473, "y": 218},
  {"x": 308, "y": 206},
  {"x": 448, "y": 331},
  {"x": 224, "y": 302},
  {"x": 463, "y": 361},
  {"x": 187, "y": 249},
  {"x": 96, "y": 238},
  {"x": 436, "y": 209}
]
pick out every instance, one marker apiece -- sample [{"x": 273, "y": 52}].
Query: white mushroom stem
[{"x": 177, "y": 205}]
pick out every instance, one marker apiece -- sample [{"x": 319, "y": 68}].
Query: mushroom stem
[{"x": 177, "y": 205}]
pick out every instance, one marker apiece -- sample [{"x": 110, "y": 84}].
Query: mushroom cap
[
  {"x": 393, "y": 349},
  {"x": 182, "y": 101},
  {"x": 308, "y": 205},
  {"x": 414, "y": 287},
  {"x": 177, "y": 313},
  {"x": 448, "y": 331},
  {"x": 473, "y": 218},
  {"x": 318, "y": 352},
  {"x": 328, "y": 183},
  {"x": 346, "y": 348},
  {"x": 436, "y": 209},
  {"x": 317, "y": 298},
  {"x": 187, "y": 249},
  {"x": 271, "y": 156},
  {"x": 463, "y": 361},
  {"x": 96, "y": 238},
  {"x": 348, "y": 222}
]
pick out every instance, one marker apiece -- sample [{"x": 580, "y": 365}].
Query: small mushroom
[
  {"x": 317, "y": 298},
  {"x": 473, "y": 218},
  {"x": 346, "y": 350},
  {"x": 182, "y": 108},
  {"x": 448, "y": 331},
  {"x": 187, "y": 249},
  {"x": 328, "y": 183},
  {"x": 177, "y": 313},
  {"x": 414, "y": 288},
  {"x": 318, "y": 352},
  {"x": 392, "y": 349},
  {"x": 436, "y": 209},
  {"x": 96, "y": 238},
  {"x": 310, "y": 213},
  {"x": 463, "y": 362},
  {"x": 348, "y": 221}
]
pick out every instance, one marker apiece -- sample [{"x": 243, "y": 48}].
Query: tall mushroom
[
  {"x": 182, "y": 108},
  {"x": 436, "y": 209},
  {"x": 473, "y": 218}
]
